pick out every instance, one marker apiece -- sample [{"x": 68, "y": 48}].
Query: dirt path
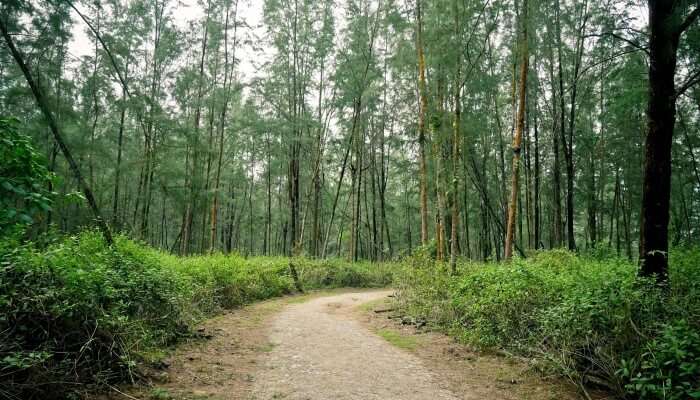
[
  {"x": 321, "y": 352},
  {"x": 327, "y": 346}
]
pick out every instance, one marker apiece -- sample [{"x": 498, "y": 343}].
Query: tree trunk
[
  {"x": 423, "y": 109},
  {"x": 117, "y": 168},
  {"x": 537, "y": 183},
  {"x": 337, "y": 194},
  {"x": 456, "y": 140},
  {"x": 193, "y": 185},
  {"x": 666, "y": 29},
  {"x": 58, "y": 137},
  {"x": 520, "y": 123},
  {"x": 222, "y": 122}
]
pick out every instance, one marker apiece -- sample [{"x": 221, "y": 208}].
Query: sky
[
  {"x": 183, "y": 13},
  {"x": 251, "y": 11}
]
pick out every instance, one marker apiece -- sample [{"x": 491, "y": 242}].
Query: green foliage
[
  {"x": 78, "y": 313},
  {"x": 426, "y": 251},
  {"x": 670, "y": 368},
  {"x": 590, "y": 319},
  {"x": 23, "y": 178}
]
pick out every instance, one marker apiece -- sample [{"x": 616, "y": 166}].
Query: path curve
[{"x": 320, "y": 352}]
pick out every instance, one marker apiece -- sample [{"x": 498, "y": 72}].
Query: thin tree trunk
[
  {"x": 337, "y": 194},
  {"x": 537, "y": 182},
  {"x": 422, "y": 91},
  {"x": 268, "y": 219},
  {"x": 117, "y": 174},
  {"x": 456, "y": 139},
  {"x": 520, "y": 123},
  {"x": 222, "y": 123}
]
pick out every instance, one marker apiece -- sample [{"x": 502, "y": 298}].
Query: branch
[
  {"x": 689, "y": 19},
  {"x": 624, "y": 39},
  {"x": 692, "y": 80},
  {"x": 113, "y": 61},
  {"x": 104, "y": 45},
  {"x": 597, "y": 63}
]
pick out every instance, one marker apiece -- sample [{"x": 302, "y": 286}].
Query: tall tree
[
  {"x": 517, "y": 137},
  {"x": 668, "y": 20},
  {"x": 422, "y": 111}
]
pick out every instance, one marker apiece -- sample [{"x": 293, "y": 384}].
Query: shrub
[
  {"x": 23, "y": 178},
  {"x": 77, "y": 314},
  {"x": 670, "y": 368},
  {"x": 425, "y": 288},
  {"x": 591, "y": 319}
]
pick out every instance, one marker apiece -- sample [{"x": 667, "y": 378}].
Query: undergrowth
[
  {"x": 76, "y": 315},
  {"x": 591, "y": 319}
]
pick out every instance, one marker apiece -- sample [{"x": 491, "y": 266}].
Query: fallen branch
[{"x": 122, "y": 393}]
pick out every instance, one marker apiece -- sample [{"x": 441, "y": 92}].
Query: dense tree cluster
[{"x": 370, "y": 126}]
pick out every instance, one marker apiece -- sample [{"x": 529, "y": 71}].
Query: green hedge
[
  {"x": 76, "y": 314},
  {"x": 592, "y": 320}
]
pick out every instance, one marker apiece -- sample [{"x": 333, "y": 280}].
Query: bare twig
[{"x": 122, "y": 393}]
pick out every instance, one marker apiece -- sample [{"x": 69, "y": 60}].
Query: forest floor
[{"x": 333, "y": 345}]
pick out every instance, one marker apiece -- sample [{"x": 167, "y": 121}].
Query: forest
[{"x": 523, "y": 174}]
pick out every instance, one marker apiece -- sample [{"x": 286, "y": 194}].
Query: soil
[{"x": 334, "y": 345}]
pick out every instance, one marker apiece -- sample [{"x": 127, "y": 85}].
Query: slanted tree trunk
[
  {"x": 58, "y": 137},
  {"x": 337, "y": 193}
]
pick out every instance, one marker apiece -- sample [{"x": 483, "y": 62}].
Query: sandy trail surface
[
  {"x": 332, "y": 346},
  {"x": 319, "y": 351}
]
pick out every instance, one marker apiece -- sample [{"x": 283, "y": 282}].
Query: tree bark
[
  {"x": 117, "y": 174},
  {"x": 520, "y": 123},
  {"x": 666, "y": 29},
  {"x": 423, "y": 109},
  {"x": 456, "y": 140}
]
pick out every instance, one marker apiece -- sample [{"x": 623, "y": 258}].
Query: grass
[
  {"x": 160, "y": 394},
  {"x": 372, "y": 305},
  {"x": 396, "y": 338}
]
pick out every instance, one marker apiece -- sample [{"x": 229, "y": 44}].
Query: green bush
[
  {"x": 77, "y": 314},
  {"x": 670, "y": 368},
  {"x": 591, "y": 319},
  {"x": 23, "y": 178}
]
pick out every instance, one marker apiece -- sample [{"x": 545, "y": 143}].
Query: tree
[
  {"x": 667, "y": 22},
  {"x": 58, "y": 137},
  {"x": 423, "y": 109},
  {"x": 517, "y": 137}
]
